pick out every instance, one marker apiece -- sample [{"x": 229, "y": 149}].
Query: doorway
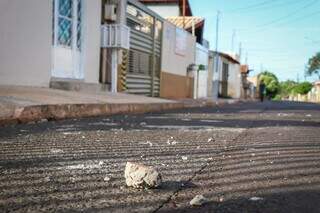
[
  {"x": 224, "y": 81},
  {"x": 67, "y": 39}
]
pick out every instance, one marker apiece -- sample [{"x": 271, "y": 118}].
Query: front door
[
  {"x": 224, "y": 82},
  {"x": 67, "y": 36}
]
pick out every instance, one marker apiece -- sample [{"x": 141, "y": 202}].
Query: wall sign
[{"x": 181, "y": 42}]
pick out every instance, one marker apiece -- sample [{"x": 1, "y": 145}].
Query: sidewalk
[{"x": 19, "y": 104}]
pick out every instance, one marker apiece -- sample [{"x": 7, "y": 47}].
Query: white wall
[
  {"x": 202, "y": 57},
  {"x": 234, "y": 81},
  {"x": 165, "y": 10},
  {"x": 234, "y": 78},
  {"x": 91, "y": 48},
  {"x": 25, "y": 42},
  {"x": 171, "y": 61}
]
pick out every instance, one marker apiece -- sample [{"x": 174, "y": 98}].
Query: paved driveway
[{"x": 248, "y": 157}]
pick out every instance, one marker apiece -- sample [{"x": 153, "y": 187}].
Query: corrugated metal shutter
[{"x": 139, "y": 75}]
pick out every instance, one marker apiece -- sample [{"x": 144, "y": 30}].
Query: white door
[{"x": 67, "y": 38}]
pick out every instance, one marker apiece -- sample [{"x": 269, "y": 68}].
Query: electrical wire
[
  {"x": 253, "y": 5},
  {"x": 268, "y": 7},
  {"x": 263, "y": 27}
]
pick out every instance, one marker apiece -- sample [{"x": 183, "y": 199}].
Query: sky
[{"x": 275, "y": 35}]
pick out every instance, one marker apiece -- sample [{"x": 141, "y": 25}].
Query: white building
[
  {"x": 45, "y": 40},
  {"x": 229, "y": 75}
]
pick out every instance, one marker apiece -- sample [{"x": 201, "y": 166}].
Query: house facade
[
  {"x": 229, "y": 75},
  {"x": 42, "y": 41},
  {"x": 152, "y": 48},
  {"x": 178, "y": 48},
  {"x": 67, "y": 44},
  {"x": 179, "y": 13}
]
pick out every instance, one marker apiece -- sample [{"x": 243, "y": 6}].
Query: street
[{"x": 245, "y": 157}]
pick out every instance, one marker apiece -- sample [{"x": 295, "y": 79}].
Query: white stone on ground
[
  {"x": 185, "y": 158},
  {"x": 56, "y": 151},
  {"x": 107, "y": 178},
  {"x": 198, "y": 200},
  {"x": 256, "y": 198},
  {"x": 141, "y": 176},
  {"x": 210, "y": 140}
]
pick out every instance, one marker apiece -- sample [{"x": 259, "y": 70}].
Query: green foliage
[
  {"x": 201, "y": 67},
  {"x": 278, "y": 90},
  {"x": 286, "y": 88},
  {"x": 272, "y": 83},
  {"x": 277, "y": 98},
  {"x": 302, "y": 88},
  {"x": 313, "y": 67}
]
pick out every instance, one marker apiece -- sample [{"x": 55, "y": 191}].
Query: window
[
  {"x": 65, "y": 23},
  {"x": 140, "y": 20},
  {"x": 68, "y": 22}
]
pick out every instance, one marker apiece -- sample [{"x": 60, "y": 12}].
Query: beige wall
[
  {"x": 176, "y": 86},
  {"x": 25, "y": 42},
  {"x": 234, "y": 81},
  {"x": 91, "y": 49},
  {"x": 234, "y": 78},
  {"x": 172, "y": 62}
]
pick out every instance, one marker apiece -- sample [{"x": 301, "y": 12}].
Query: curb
[{"x": 38, "y": 113}]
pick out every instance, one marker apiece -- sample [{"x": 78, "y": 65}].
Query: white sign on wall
[{"x": 181, "y": 42}]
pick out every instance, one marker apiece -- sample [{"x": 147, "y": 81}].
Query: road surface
[{"x": 247, "y": 157}]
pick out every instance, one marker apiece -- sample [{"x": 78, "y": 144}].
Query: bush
[
  {"x": 277, "y": 98},
  {"x": 302, "y": 88}
]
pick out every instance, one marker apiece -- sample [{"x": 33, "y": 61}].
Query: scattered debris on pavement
[
  {"x": 211, "y": 140},
  {"x": 199, "y": 200},
  {"x": 141, "y": 176},
  {"x": 255, "y": 198},
  {"x": 171, "y": 141},
  {"x": 143, "y": 124},
  {"x": 147, "y": 143},
  {"x": 107, "y": 178},
  {"x": 56, "y": 151}
]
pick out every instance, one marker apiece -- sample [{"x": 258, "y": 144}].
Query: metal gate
[{"x": 143, "y": 71}]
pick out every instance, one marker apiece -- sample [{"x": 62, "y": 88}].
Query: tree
[
  {"x": 313, "y": 67},
  {"x": 272, "y": 83},
  {"x": 286, "y": 88},
  {"x": 302, "y": 88}
]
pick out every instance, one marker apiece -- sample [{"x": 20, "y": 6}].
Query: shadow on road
[{"x": 243, "y": 115}]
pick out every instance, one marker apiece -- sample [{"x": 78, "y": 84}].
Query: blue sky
[{"x": 277, "y": 35}]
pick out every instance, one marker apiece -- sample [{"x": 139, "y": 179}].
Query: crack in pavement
[
  {"x": 220, "y": 152},
  {"x": 207, "y": 164}
]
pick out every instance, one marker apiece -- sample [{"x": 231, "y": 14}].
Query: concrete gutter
[
  {"x": 38, "y": 113},
  {"x": 25, "y": 104}
]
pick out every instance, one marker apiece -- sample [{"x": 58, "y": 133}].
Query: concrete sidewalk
[{"x": 20, "y": 104}]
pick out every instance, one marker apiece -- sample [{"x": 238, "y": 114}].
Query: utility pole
[
  {"x": 233, "y": 39},
  {"x": 217, "y": 40},
  {"x": 240, "y": 51},
  {"x": 216, "y": 75},
  {"x": 246, "y": 62}
]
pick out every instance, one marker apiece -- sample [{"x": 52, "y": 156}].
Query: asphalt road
[{"x": 247, "y": 157}]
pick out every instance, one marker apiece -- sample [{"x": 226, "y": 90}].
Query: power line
[
  {"x": 272, "y": 6},
  {"x": 302, "y": 17},
  {"x": 263, "y": 27},
  {"x": 288, "y": 15},
  {"x": 253, "y": 5}
]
